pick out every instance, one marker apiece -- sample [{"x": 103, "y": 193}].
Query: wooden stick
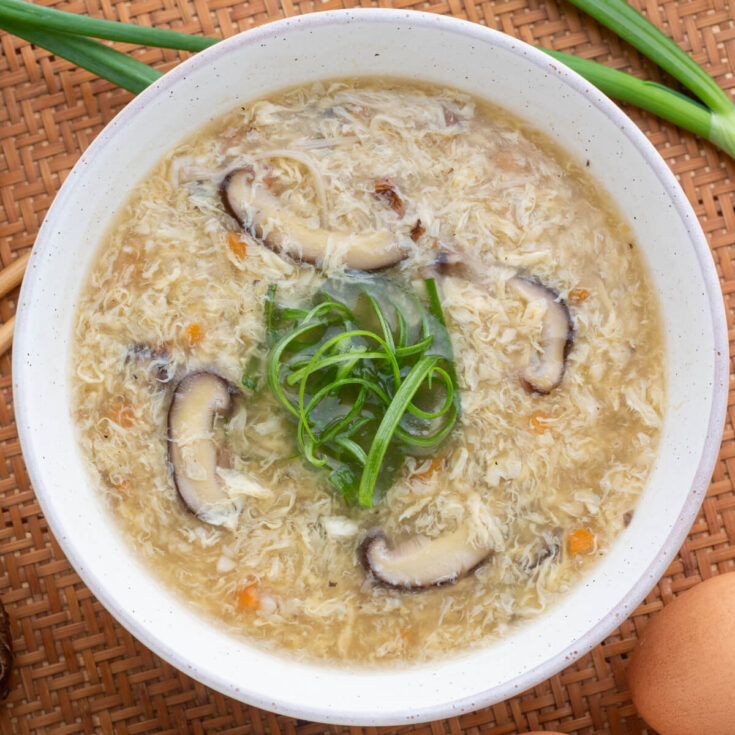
[
  {"x": 6, "y": 335},
  {"x": 12, "y": 275}
]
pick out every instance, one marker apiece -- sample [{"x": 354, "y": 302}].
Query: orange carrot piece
[
  {"x": 121, "y": 484},
  {"x": 540, "y": 422},
  {"x": 436, "y": 464},
  {"x": 578, "y": 295},
  {"x": 237, "y": 245},
  {"x": 248, "y": 598},
  {"x": 581, "y": 541},
  {"x": 122, "y": 414},
  {"x": 194, "y": 333}
]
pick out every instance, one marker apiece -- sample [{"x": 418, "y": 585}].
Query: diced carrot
[
  {"x": 581, "y": 541},
  {"x": 578, "y": 295},
  {"x": 237, "y": 245},
  {"x": 121, "y": 484},
  {"x": 435, "y": 466},
  {"x": 194, "y": 333},
  {"x": 122, "y": 414},
  {"x": 248, "y": 598},
  {"x": 540, "y": 422}
]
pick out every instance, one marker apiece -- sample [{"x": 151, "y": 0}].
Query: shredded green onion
[{"x": 352, "y": 371}]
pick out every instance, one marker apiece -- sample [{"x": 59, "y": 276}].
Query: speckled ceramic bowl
[{"x": 414, "y": 46}]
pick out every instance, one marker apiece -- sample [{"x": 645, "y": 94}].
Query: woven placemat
[{"x": 77, "y": 669}]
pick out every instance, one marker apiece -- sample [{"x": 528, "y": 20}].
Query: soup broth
[{"x": 535, "y": 484}]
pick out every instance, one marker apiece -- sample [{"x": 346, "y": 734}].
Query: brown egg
[
  {"x": 682, "y": 673},
  {"x": 543, "y": 732}
]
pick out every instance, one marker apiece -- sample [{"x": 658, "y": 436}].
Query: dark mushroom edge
[
  {"x": 198, "y": 398},
  {"x": 419, "y": 562},
  {"x": 557, "y": 336},
  {"x": 266, "y": 219}
]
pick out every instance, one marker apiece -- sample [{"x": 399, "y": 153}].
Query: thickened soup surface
[{"x": 369, "y": 371}]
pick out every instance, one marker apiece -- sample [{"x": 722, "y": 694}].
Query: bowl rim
[{"x": 481, "y": 34}]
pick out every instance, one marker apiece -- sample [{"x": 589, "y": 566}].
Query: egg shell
[{"x": 682, "y": 673}]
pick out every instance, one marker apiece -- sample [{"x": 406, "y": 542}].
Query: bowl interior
[{"x": 412, "y": 46}]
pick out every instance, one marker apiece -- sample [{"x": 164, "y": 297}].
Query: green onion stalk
[
  {"x": 70, "y": 36},
  {"x": 711, "y": 115}
]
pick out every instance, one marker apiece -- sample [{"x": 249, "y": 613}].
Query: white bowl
[{"x": 414, "y": 46}]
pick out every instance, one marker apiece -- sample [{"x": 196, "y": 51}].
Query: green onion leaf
[
  {"x": 630, "y": 25},
  {"x": 40, "y": 18},
  {"x": 388, "y": 427},
  {"x": 715, "y": 122},
  {"x": 656, "y": 98},
  {"x": 68, "y": 35},
  {"x": 116, "y": 67}
]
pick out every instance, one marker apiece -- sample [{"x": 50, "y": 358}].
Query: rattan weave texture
[{"x": 78, "y": 670}]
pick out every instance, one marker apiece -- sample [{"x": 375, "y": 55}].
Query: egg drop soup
[{"x": 369, "y": 371}]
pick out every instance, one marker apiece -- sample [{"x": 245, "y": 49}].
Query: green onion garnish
[{"x": 368, "y": 376}]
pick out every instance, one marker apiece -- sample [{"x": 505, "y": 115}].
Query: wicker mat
[{"x": 77, "y": 669}]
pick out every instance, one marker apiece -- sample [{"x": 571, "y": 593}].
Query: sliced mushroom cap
[
  {"x": 557, "y": 336},
  {"x": 421, "y": 562},
  {"x": 266, "y": 218},
  {"x": 198, "y": 398}
]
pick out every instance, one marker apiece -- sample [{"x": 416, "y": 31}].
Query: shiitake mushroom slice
[
  {"x": 420, "y": 562},
  {"x": 198, "y": 398},
  {"x": 265, "y": 217},
  {"x": 545, "y": 373}
]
